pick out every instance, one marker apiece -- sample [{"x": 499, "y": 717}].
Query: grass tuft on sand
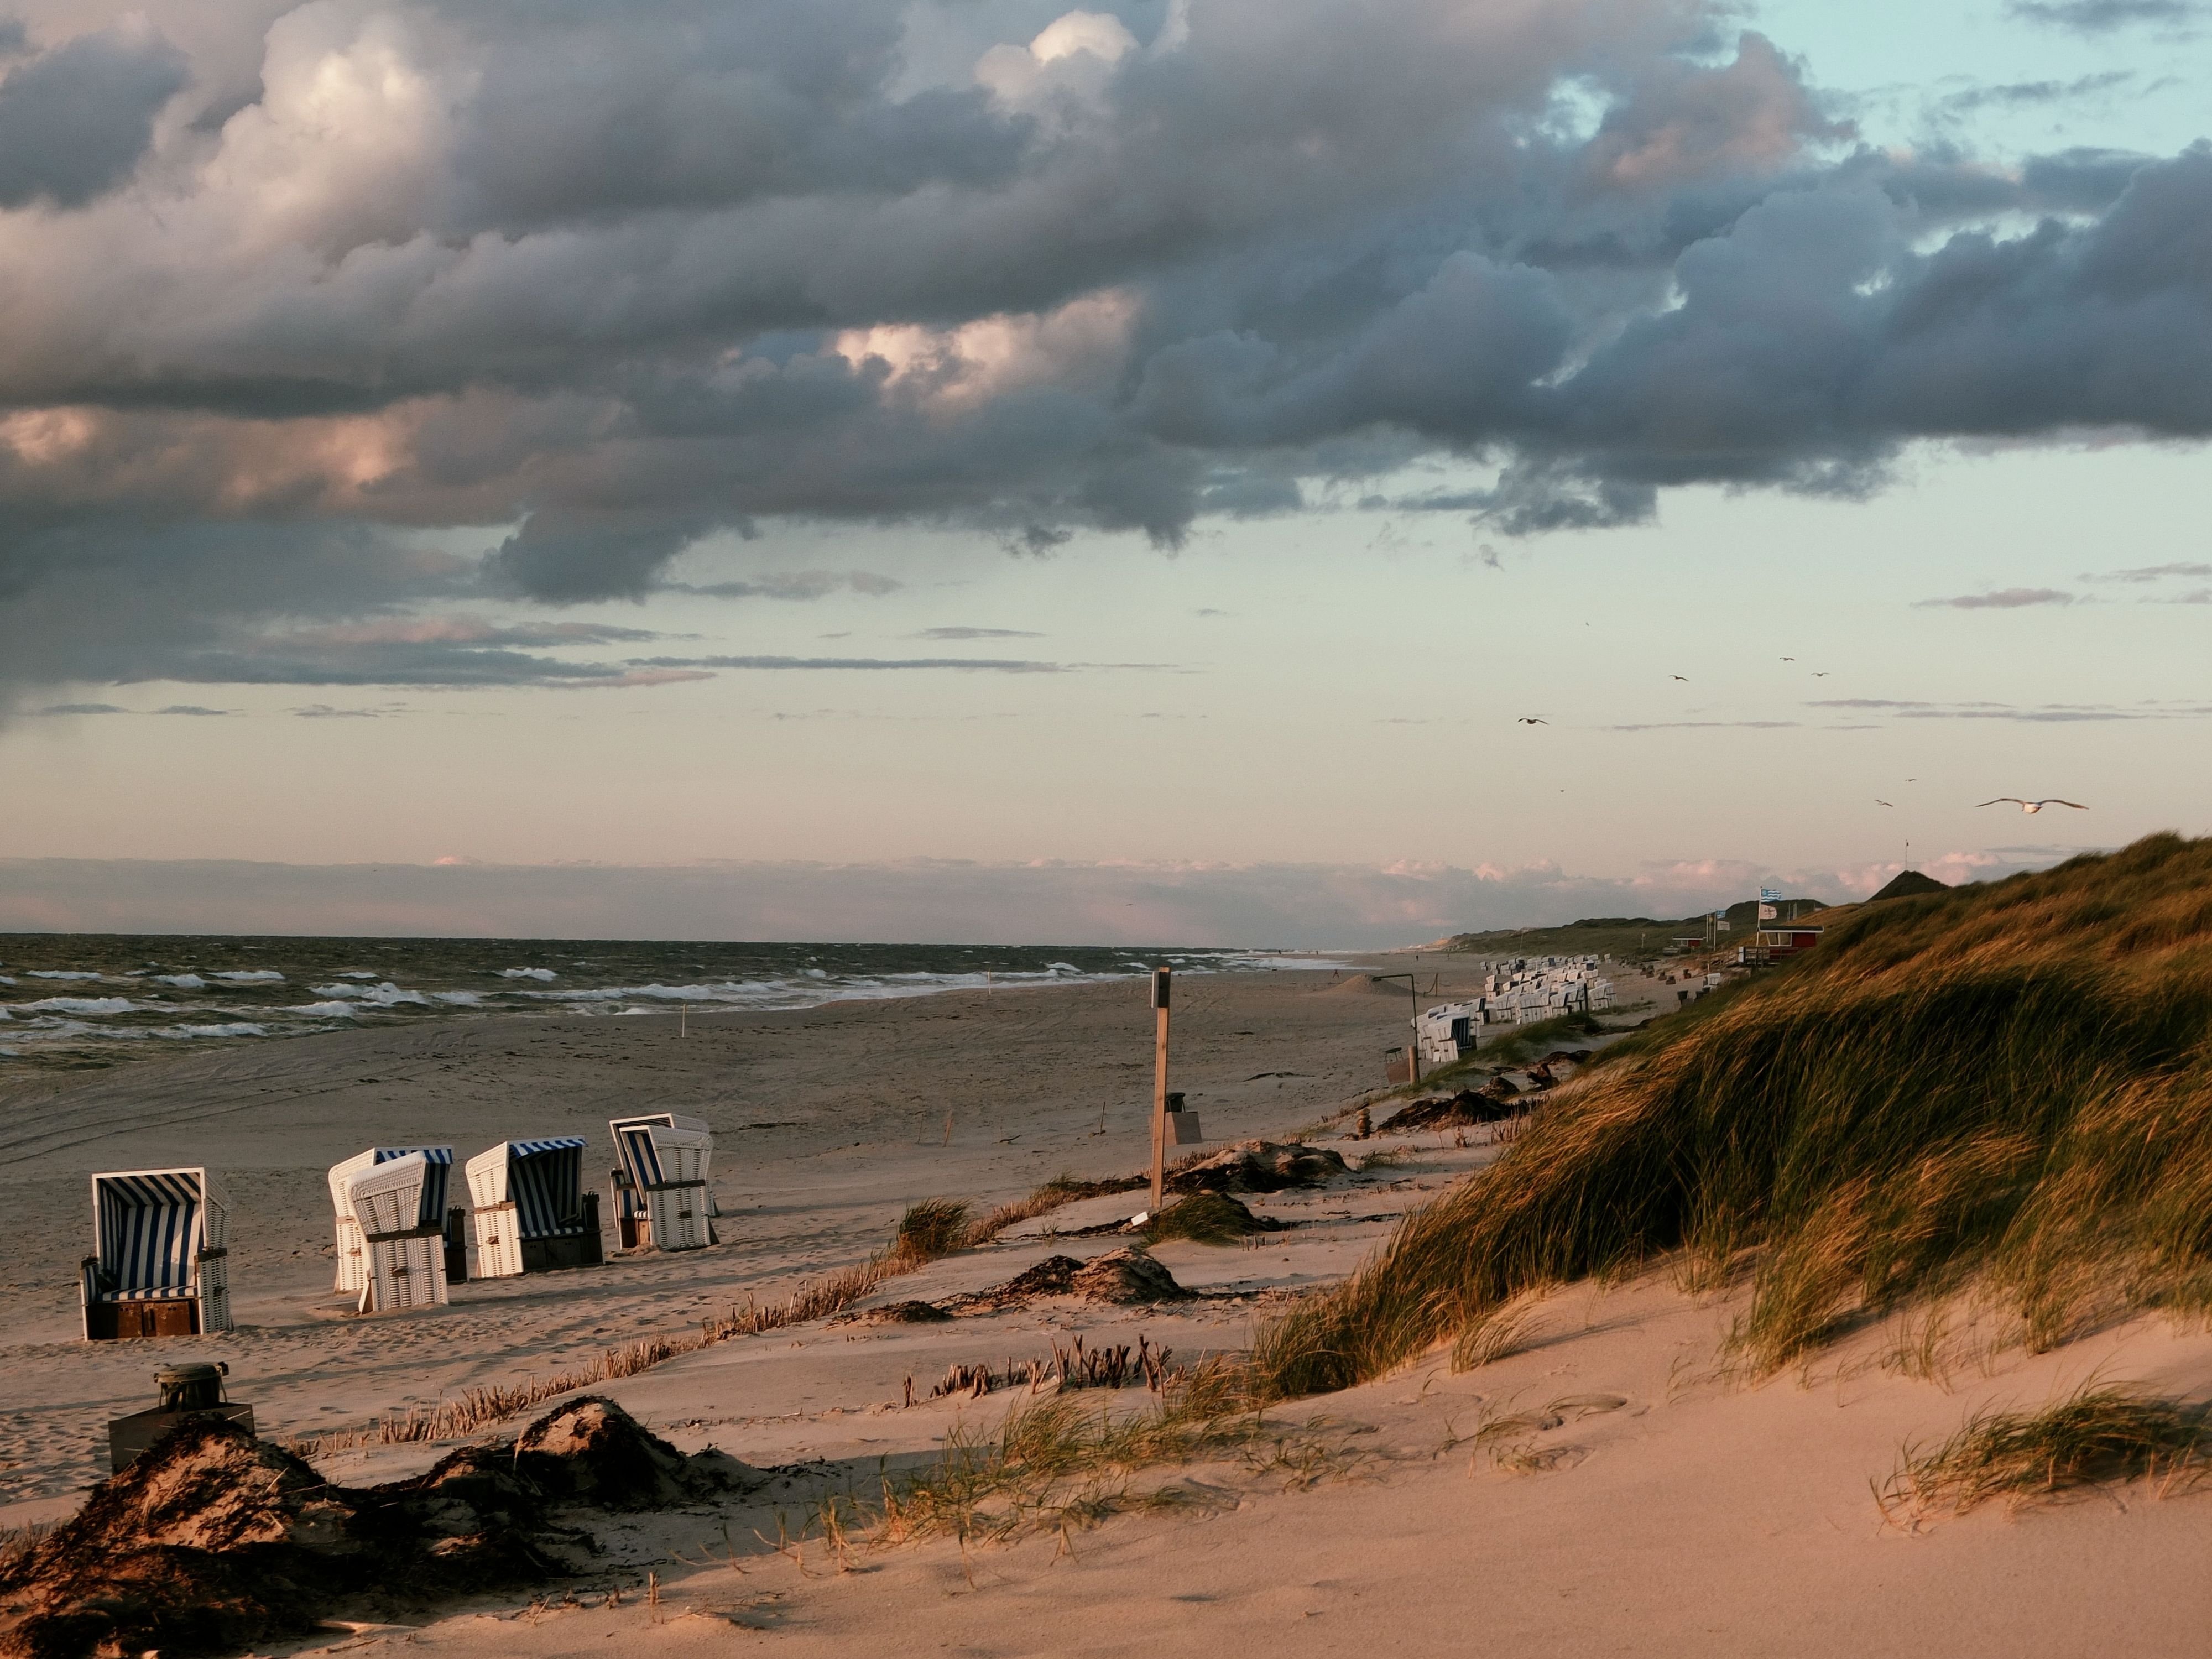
[
  {"x": 2097, "y": 1433},
  {"x": 1062, "y": 1466},
  {"x": 931, "y": 1228},
  {"x": 1204, "y": 1218},
  {"x": 2005, "y": 1087}
]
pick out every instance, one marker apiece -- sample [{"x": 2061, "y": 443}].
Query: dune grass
[
  {"x": 2006, "y": 1087},
  {"x": 1060, "y": 1465},
  {"x": 931, "y": 1228},
  {"x": 1061, "y": 1189},
  {"x": 1204, "y": 1218},
  {"x": 2097, "y": 1433}
]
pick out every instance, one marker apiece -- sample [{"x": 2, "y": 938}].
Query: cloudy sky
[{"x": 1170, "y": 446}]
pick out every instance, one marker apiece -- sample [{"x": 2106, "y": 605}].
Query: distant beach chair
[
  {"x": 161, "y": 1266},
  {"x": 529, "y": 1211},
  {"x": 434, "y": 1210},
  {"x": 662, "y": 1199},
  {"x": 398, "y": 1209}
]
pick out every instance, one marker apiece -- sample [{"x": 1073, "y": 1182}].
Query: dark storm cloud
[
  {"x": 602, "y": 283},
  {"x": 2005, "y": 598},
  {"x": 2016, "y": 94},
  {"x": 74, "y": 121},
  {"x": 789, "y": 585},
  {"x": 962, "y": 664},
  {"x": 2103, "y": 16}
]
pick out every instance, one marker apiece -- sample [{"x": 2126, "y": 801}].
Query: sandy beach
[{"x": 1649, "y": 1503}]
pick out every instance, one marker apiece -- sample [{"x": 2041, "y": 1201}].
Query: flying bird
[
  {"x": 2034, "y": 805},
  {"x": 1820, "y": 674},
  {"x": 1530, "y": 720},
  {"x": 1685, "y": 678},
  {"x": 1878, "y": 801}
]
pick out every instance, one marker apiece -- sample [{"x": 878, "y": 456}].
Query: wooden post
[
  {"x": 1414, "y": 1045},
  {"x": 1161, "y": 978}
]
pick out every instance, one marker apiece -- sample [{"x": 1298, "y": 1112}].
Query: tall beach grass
[{"x": 2008, "y": 1087}]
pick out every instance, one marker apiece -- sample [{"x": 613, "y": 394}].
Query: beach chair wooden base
[
  {"x": 576, "y": 1250},
  {"x": 168, "y": 1315}
]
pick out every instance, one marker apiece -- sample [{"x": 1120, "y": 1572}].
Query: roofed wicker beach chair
[
  {"x": 398, "y": 1208},
  {"x": 434, "y": 1210},
  {"x": 162, "y": 1268},
  {"x": 529, "y": 1209},
  {"x": 662, "y": 1198}
]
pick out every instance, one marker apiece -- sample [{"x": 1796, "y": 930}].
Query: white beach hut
[
  {"x": 662, "y": 1198},
  {"x": 352, "y": 1269},
  {"x": 403, "y": 1255},
  {"x": 160, "y": 1267},
  {"x": 530, "y": 1211}
]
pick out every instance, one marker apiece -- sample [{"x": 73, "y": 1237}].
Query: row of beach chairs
[{"x": 160, "y": 1262}]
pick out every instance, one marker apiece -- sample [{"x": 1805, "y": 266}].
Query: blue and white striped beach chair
[
  {"x": 160, "y": 1266},
  {"x": 352, "y": 1267},
  {"x": 663, "y": 1200},
  {"x": 529, "y": 1208}
]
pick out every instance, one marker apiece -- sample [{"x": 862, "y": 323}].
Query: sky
[{"x": 970, "y": 469}]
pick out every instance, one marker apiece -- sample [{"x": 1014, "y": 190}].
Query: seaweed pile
[
  {"x": 1490, "y": 1104},
  {"x": 1260, "y": 1166},
  {"x": 213, "y": 1541}
]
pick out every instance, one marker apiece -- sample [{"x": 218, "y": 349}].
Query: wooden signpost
[{"x": 1161, "y": 977}]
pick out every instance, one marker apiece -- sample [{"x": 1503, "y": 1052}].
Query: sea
[{"x": 72, "y": 1000}]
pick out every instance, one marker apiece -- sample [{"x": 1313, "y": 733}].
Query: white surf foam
[{"x": 81, "y": 1005}]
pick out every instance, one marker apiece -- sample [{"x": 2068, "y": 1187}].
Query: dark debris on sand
[
  {"x": 1469, "y": 1106},
  {"x": 212, "y": 1541},
  {"x": 1125, "y": 1278},
  {"x": 1260, "y": 1166}
]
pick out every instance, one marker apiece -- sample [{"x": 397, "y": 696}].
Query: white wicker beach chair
[
  {"x": 404, "y": 1255},
  {"x": 352, "y": 1265},
  {"x": 529, "y": 1209},
  {"x": 663, "y": 1200},
  {"x": 160, "y": 1266}
]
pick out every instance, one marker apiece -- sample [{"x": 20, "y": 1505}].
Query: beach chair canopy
[
  {"x": 542, "y": 1179},
  {"x": 437, "y": 1178},
  {"x": 149, "y": 1227},
  {"x": 638, "y": 1142},
  {"x": 388, "y": 1197}
]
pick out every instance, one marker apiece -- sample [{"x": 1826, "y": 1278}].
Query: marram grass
[
  {"x": 2097, "y": 1433},
  {"x": 2007, "y": 1085}
]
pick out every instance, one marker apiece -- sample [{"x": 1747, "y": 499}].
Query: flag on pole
[
  {"x": 1767, "y": 912},
  {"x": 1770, "y": 895}
]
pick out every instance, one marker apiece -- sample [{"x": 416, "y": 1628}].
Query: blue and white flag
[{"x": 1770, "y": 895}]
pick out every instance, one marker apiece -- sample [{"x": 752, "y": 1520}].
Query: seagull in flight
[
  {"x": 2034, "y": 805},
  {"x": 1789, "y": 660},
  {"x": 1685, "y": 678},
  {"x": 1878, "y": 801},
  {"x": 1530, "y": 720},
  {"x": 1820, "y": 674}
]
